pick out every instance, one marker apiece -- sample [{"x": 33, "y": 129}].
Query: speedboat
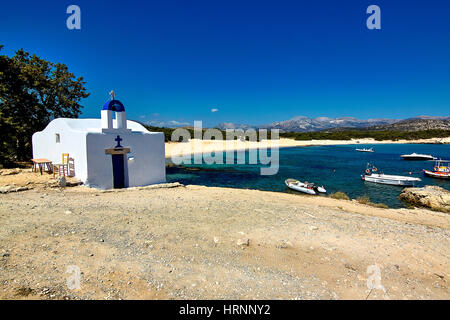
[
  {"x": 441, "y": 170},
  {"x": 371, "y": 176},
  {"x": 417, "y": 156},
  {"x": 365, "y": 150},
  {"x": 305, "y": 187}
]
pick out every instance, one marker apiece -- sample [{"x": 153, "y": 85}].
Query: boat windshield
[{"x": 442, "y": 166}]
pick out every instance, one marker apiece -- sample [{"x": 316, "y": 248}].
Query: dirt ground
[{"x": 196, "y": 242}]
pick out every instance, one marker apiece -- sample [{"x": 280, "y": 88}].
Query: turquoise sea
[{"x": 338, "y": 168}]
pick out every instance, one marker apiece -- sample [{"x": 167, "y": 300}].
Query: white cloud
[
  {"x": 168, "y": 124},
  {"x": 147, "y": 116},
  {"x": 214, "y": 110}
]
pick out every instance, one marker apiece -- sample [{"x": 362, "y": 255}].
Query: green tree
[{"x": 33, "y": 92}]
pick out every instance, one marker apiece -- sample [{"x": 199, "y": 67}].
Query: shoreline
[{"x": 196, "y": 146}]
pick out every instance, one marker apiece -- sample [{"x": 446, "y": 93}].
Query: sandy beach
[{"x": 196, "y": 146}]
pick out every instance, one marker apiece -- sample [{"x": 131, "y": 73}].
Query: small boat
[
  {"x": 371, "y": 176},
  {"x": 305, "y": 187},
  {"x": 417, "y": 156},
  {"x": 441, "y": 170},
  {"x": 365, "y": 150}
]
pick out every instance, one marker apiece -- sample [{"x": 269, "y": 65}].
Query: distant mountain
[
  {"x": 430, "y": 117},
  {"x": 304, "y": 124},
  {"x": 417, "y": 124},
  {"x": 230, "y": 125}
]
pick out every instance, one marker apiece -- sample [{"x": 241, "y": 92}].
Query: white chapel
[{"x": 107, "y": 153}]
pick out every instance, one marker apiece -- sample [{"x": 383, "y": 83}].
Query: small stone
[
  {"x": 243, "y": 242},
  {"x": 62, "y": 182},
  {"x": 10, "y": 172},
  {"x": 313, "y": 228},
  {"x": 6, "y": 189},
  {"x": 349, "y": 266},
  {"x": 216, "y": 240},
  {"x": 68, "y": 212},
  {"x": 284, "y": 244}
]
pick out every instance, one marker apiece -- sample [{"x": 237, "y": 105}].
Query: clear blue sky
[{"x": 255, "y": 61}]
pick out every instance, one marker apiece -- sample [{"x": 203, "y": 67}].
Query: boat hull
[
  {"x": 299, "y": 186},
  {"x": 417, "y": 158},
  {"x": 439, "y": 175},
  {"x": 321, "y": 190},
  {"x": 301, "y": 189},
  {"x": 385, "y": 179}
]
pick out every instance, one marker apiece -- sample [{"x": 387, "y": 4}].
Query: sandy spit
[{"x": 196, "y": 146}]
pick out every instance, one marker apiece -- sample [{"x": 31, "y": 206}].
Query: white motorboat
[
  {"x": 365, "y": 150},
  {"x": 305, "y": 187},
  {"x": 372, "y": 176},
  {"x": 417, "y": 156}
]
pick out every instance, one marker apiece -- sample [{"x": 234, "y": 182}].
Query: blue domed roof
[{"x": 114, "y": 105}]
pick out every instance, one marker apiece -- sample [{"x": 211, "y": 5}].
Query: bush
[
  {"x": 363, "y": 200},
  {"x": 339, "y": 195},
  {"x": 379, "y": 205},
  {"x": 366, "y": 200},
  {"x": 378, "y": 135}
]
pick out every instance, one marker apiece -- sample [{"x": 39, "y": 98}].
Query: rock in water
[{"x": 432, "y": 197}]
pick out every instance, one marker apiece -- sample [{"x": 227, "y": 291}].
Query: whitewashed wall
[
  {"x": 79, "y": 138},
  {"x": 148, "y": 166},
  {"x": 71, "y": 141}
]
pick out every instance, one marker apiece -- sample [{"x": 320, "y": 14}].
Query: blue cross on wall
[{"x": 118, "y": 139}]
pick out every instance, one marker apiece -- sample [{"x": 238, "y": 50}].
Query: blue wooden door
[{"x": 118, "y": 171}]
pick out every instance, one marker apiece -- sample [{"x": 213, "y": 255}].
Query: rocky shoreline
[{"x": 433, "y": 197}]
